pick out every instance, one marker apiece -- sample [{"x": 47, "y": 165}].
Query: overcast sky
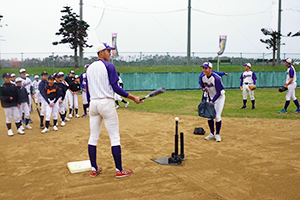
[{"x": 150, "y": 25}]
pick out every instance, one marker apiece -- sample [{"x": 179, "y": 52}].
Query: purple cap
[
  {"x": 207, "y": 64},
  {"x": 103, "y": 46},
  {"x": 289, "y": 60},
  {"x": 247, "y": 64}
]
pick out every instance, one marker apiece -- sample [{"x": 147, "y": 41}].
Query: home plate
[{"x": 79, "y": 166}]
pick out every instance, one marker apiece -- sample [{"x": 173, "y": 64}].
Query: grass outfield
[
  {"x": 153, "y": 69},
  {"x": 268, "y": 103}
]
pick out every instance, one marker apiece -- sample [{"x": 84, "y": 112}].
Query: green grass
[
  {"x": 153, "y": 69},
  {"x": 268, "y": 103}
]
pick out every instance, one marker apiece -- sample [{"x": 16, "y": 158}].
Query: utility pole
[
  {"x": 189, "y": 35},
  {"x": 279, "y": 31},
  {"x": 80, "y": 47}
]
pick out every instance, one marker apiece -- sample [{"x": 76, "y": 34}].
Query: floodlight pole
[
  {"x": 80, "y": 47},
  {"x": 189, "y": 35},
  {"x": 279, "y": 31}
]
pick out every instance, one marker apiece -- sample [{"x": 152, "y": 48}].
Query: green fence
[{"x": 188, "y": 81}]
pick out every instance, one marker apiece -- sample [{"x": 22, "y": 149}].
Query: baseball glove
[
  {"x": 252, "y": 87},
  {"x": 282, "y": 89}
]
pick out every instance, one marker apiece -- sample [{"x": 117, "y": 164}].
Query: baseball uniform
[{"x": 248, "y": 78}]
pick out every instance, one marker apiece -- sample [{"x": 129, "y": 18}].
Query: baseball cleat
[
  {"x": 282, "y": 111},
  {"x": 123, "y": 173},
  {"x": 253, "y": 108},
  {"x": 42, "y": 126},
  {"x": 67, "y": 119},
  {"x": 297, "y": 111},
  {"x": 126, "y": 105},
  {"x": 117, "y": 106},
  {"x": 45, "y": 130},
  {"x": 84, "y": 115},
  {"x": 244, "y": 107},
  {"x": 77, "y": 115},
  {"x": 70, "y": 115},
  {"x": 20, "y": 131},
  {"x": 62, "y": 123},
  {"x": 55, "y": 128},
  {"x": 95, "y": 173},
  {"x": 210, "y": 137},
  {"x": 10, "y": 132},
  {"x": 28, "y": 126},
  {"x": 22, "y": 128},
  {"x": 218, "y": 138}
]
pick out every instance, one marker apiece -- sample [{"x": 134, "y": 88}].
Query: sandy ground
[{"x": 257, "y": 159}]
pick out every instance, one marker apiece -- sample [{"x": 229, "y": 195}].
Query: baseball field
[{"x": 258, "y": 157}]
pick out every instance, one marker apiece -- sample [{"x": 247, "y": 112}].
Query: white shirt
[
  {"x": 26, "y": 83},
  {"x": 291, "y": 70},
  {"x": 35, "y": 85},
  {"x": 98, "y": 82}
]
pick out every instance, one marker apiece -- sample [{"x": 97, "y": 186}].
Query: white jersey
[
  {"x": 248, "y": 77},
  {"x": 291, "y": 73},
  {"x": 120, "y": 81},
  {"x": 35, "y": 85},
  {"x": 26, "y": 83},
  {"x": 98, "y": 81}
]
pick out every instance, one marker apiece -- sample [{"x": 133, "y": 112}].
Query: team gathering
[{"x": 102, "y": 88}]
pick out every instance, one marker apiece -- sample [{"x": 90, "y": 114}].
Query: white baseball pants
[
  {"x": 291, "y": 92},
  {"x": 73, "y": 99},
  {"x": 24, "y": 108},
  {"x": 219, "y": 105},
  {"x": 117, "y": 97},
  {"x": 104, "y": 109},
  {"x": 12, "y": 112},
  {"x": 246, "y": 91},
  {"x": 84, "y": 98},
  {"x": 53, "y": 110}
]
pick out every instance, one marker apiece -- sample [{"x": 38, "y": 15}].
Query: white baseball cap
[
  {"x": 61, "y": 73},
  {"x": 247, "y": 64},
  {"x": 22, "y": 70},
  {"x": 76, "y": 76},
  {"x": 12, "y": 75},
  {"x": 27, "y": 75},
  {"x": 72, "y": 72},
  {"x": 289, "y": 60},
  {"x": 18, "y": 79},
  {"x": 36, "y": 76},
  {"x": 103, "y": 46},
  {"x": 207, "y": 64}
]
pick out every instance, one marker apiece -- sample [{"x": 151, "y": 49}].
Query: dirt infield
[{"x": 257, "y": 159}]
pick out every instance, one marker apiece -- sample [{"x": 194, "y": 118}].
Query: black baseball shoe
[
  {"x": 253, "y": 108},
  {"x": 42, "y": 126},
  {"x": 244, "y": 107}
]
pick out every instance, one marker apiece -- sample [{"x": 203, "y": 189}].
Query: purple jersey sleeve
[
  {"x": 254, "y": 78},
  {"x": 291, "y": 72},
  {"x": 200, "y": 80},
  {"x": 242, "y": 78},
  {"x": 219, "y": 87}
]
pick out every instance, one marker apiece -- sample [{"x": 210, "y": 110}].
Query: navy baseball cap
[
  {"x": 207, "y": 64},
  {"x": 51, "y": 77},
  {"x": 289, "y": 60},
  {"x": 44, "y": 73},
  {"x": 103, "y": 46},
  {"x": 57, "y": 75},
  {"x": 5, "y": 75}
]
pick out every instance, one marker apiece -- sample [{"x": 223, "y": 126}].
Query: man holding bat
[{"x": 102, "y": 81}]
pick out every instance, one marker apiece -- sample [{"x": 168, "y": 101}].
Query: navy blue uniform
[{"x": 8, "y": 90}]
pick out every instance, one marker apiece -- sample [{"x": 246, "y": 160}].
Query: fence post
[
  {"x": 263, "y": 61},
  {"x": 167, "y": 62},
  {"x": 193, "y": 61},
  {"x": 241, "y": 61},
  {"x": 53, "y": 66},
  {"x": 140, "y": 62},
  {"x": 284, "y": 65},
  {"x": 22, "y": 60}
]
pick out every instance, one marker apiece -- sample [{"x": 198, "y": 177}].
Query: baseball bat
[
  {"x": 37, "y": 109},
  {"x": 154, "y": 93}
]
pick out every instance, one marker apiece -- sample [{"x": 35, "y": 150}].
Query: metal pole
[
  {"x": 53, "y": 66},
  {"x": 241, "y": 61},
  {"x": 140, "y": 62},
  {"x": 189, "y": 35},
  {"x": 218, "y": 65},
  {"x": 80, "y": 47},
  {"x": 279, "y": 31},
  {"x": 22, "y": 60},
  {"x": 263, "y": 61},
  {"x": 168, "y": 62},
  {"x": 193, "y": 61}
]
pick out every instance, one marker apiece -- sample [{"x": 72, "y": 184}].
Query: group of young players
[{"x": 53, "y": 93}]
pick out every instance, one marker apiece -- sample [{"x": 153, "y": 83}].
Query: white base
[{"x": 79, "y": 166}]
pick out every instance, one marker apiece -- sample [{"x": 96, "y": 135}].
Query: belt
[{"x": 246, "y": 83}]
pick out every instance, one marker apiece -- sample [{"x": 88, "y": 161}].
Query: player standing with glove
[
  {"x": 212, "y": 83},
  {"x": 248, "y": 78},
  {"x": 102, "y": 83},
  {"x": 291, "y": 84}
]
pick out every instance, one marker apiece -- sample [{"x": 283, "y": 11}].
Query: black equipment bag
[{"x": 205, "y": 108}]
